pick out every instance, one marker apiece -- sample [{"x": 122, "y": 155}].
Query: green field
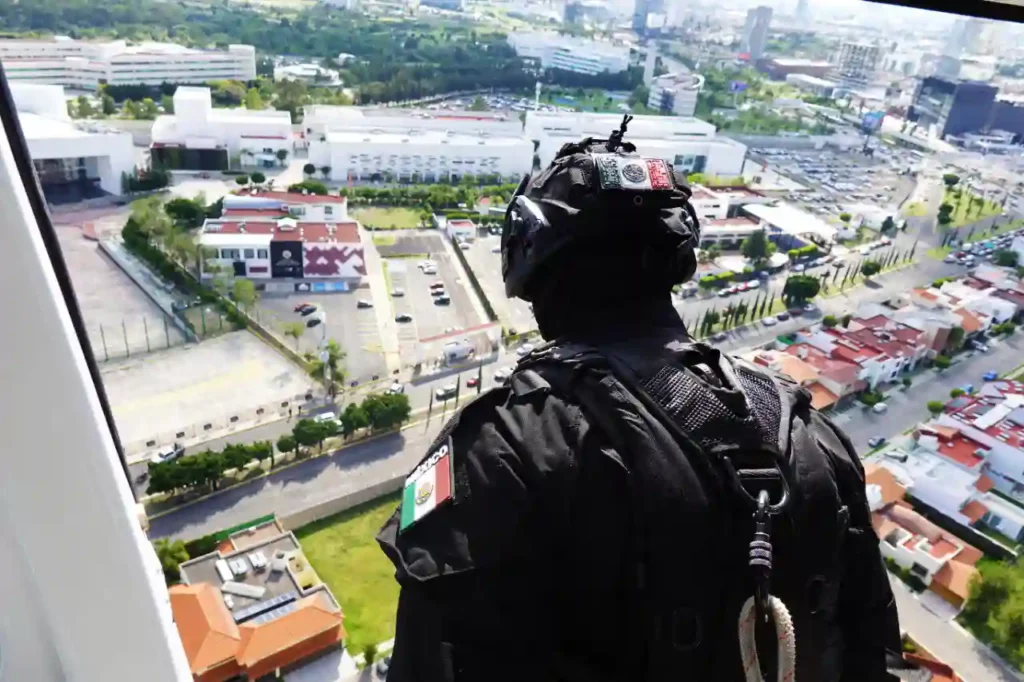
[
  {"x": 344, "y": 553},
  {"x": 915, "y": 209},
  {"x": 391, "y": 218},
  {"x": 969, "y": 208}
]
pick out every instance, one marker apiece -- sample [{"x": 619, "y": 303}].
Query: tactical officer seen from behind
[{"x": 632, "y": 504}]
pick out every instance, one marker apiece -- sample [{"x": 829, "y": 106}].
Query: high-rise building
[
  {"x": 856, "y": 64},
  {"x": 963, "y": 37},
  {"x": 953, "y": 107},
  {"x": 573, "y": 13},
  {"x": 803, "y": 10},
  {"x": 755, "y": 31},
  {"x": 642, "y": 11}
]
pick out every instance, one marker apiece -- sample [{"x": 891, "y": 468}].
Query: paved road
[
  {"x": 907, "y": 408},
  {"x": 299, "y": 487},
  {"x": 971, "y": 660}
]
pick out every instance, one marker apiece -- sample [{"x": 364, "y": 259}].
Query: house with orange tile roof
[
  {"x": 254, "y": 607},
  {"x": 827, "y": 380},
  {"x": 876, "y": 366},
  {"x": 942, "y": 561}
]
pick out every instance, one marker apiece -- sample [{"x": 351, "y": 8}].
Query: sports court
[
  {"x": 198, "y": 384},
  {"x": 120, "y": 319}
]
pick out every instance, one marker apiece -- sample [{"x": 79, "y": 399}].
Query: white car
[
  {"x": 398, "y": 293},
  {"x": 396, "y": 388},
  {"x": 425, "y": 264},
  {"x": 879, "y": 408},
  {"x": 753, "y": 284},
  {"x": 524, "y": 349},
  {"x": 502, "y": 374},
  {"x": 799, "y": 267},
  {"x": 446, "y": 392},
  {"x": 167, "y": 454},
  {"x": 325, "y": 417},
  {"x": 769, "y": 321}
]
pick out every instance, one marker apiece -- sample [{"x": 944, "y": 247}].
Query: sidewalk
[{"x": 386, "y": 326}]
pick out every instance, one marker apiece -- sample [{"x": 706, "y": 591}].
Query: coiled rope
[{"x": 785, "y": 635}]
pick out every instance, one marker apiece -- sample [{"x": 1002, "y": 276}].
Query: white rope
[{"x": 786, "y": 637}]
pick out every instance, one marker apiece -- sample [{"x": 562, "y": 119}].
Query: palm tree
[{"x": 295, "y": 330}]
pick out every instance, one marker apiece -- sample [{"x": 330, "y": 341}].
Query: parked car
[
  {"x": 434, "y": 286},
  {"x": 398, "y": 293},
  {"x": 472, "y": 382},
  {"x": 991, "y": 376},
  {"x": 810, "y": 308},
  {"x": 305, "y": 304},
  {"x": 720, "y": 336},
  {"x": 783, "y": 316},
  {"x": 877, "y": 441},
  {"x": 799, "y": 267},
  {"x": 325, "y": 417},
  {"x": 363, "y": 303},
  {"x": 168, "y": 454},
  {"x": 307, "y": 309},
  {"x": 769, "y": 321},
  {"x": 446, "y": 392},
  {"x": 967, "y": 388},
  {"x": 502, "y": 374},
  {"x": 403, "y": 317},
  {"x": 437, "y": 292},
  {"x": 443, "y": 299},
  {"x": 879, "y": 408},
  {"x": 950, "y": 259}
]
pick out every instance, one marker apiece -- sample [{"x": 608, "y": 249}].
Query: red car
[
  {"x": 300, "y": 306},
  {"x": 472, "y": 382}
]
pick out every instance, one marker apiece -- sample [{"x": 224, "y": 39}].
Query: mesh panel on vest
[
  {"x": 698, "y": 410},
  {"x": 763, "y": 398}
]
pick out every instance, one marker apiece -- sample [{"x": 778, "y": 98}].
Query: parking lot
[
  {"x": 354, "y": 328},
  {"x": 486, "y": 264},
  {"x": 838, "y": 180},
  {"x": 120, "y": 319}
]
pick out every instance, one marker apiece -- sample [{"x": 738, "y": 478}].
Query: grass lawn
[
  {"x": 968, "y": 210},
  {"x": 384, "y": 239},
  {"x": 387, "y": 218},
  {"x": 915, "y": 209},
  {"x": 344, "y": 553}
]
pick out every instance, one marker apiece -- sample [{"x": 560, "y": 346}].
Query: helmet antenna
[{"x": 615, "y": 140}]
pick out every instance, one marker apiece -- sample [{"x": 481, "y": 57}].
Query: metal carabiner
[{"x": 761, "y": 555}]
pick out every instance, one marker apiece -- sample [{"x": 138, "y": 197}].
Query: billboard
[
  {"x": 737, "y": 86},
  {"x": 286, "y": 259},
  {"x": 872, "y": 121}
]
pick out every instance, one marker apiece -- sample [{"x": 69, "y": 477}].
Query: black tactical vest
[{"x": 701, "y": 435}]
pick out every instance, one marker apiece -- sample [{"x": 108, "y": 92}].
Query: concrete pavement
[{"x": 969, "y": 658}]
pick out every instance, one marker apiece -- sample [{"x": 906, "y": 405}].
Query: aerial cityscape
[{"x": 282, "y": 222}]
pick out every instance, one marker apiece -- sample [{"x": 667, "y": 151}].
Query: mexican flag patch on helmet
[{"x": 629, "y": 172}]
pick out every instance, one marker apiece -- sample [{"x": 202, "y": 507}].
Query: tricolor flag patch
[
  {"x": 428, "y": 486},
  {"x": 626, "y": 172}
]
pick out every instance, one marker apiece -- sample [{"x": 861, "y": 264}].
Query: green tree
[
  {"x": 186, "y": 213},
  {"x": 369, "y": 654},
  {"x": 951, "y": 180},
  {"x": 757, "y": 247},
  {"x": 326, "y": 171},
  {"x": 307, "y": 433},
  {"x": 85, "y": 109},
  {"x": 640, "y": 95},
  {"x": 845, "y": 217},
  {"x": 147, "y": 110},
  {"x": 799, "y": 289},
  {"x": 956, "y": 392},
  {"x": 713, "y": 251},
  {"x": 294, "y": 330},
  {"x": 167, "y": 103},
  {"x": 242, "y": 180},
  {"x": 172, "y": 554},
  {"x": 1005, "y": 258},
  {"x": 935, "y": 407},
  {"x": 352, "y": 419},
  {"x": 829, "y": 321},
  {"x": 385, "y": 411},
  {"x": 942, "y": 361},
  {"x": 285, "y": 443},
  {"x": 282, "y": 155},
  {"x": 870, "y": 268},
  {"x": 907, "y": 381},
  {"x": 258, "y": 178},
  {"x": 107, "y": 105},
  {"x": 888, "y": 225},
  {"x": 253, "y": 100},
  {"x": 244, "y": 292},
  {"x": 478, "y": 104},
  {"x": 309, "y": 169},
  {"x": 309, "y": 187}
]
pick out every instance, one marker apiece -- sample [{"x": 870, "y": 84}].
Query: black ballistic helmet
[{"x": 598, "y": 192}]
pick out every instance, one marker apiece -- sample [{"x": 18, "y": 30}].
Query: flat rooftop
[
  {"x": 358, "y": 137},
  {"x": 347, "y": 232}
]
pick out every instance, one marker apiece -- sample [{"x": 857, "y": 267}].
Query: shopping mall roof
[{"x": 791, "y": 220}]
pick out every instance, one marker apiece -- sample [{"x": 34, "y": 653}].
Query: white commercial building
[
  {"x": 199, "y": 137},
  {"x": 371, "y": 144},
  {"x": 690, "y": 144},
  {"x": 73, "y": 159},
  {"x": 85, "y": 65},
  {"x": 555, "y": 51},
  {"x": 675, "y": 93},
  {"x": 856, "y": 63},
  {"x": 812, "y": 84}
]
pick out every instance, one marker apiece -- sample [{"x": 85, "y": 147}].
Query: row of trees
[{"x": 377, "y": 412}]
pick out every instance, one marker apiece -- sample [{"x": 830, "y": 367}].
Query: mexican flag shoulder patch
[{"x": 429, "y": 486}]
